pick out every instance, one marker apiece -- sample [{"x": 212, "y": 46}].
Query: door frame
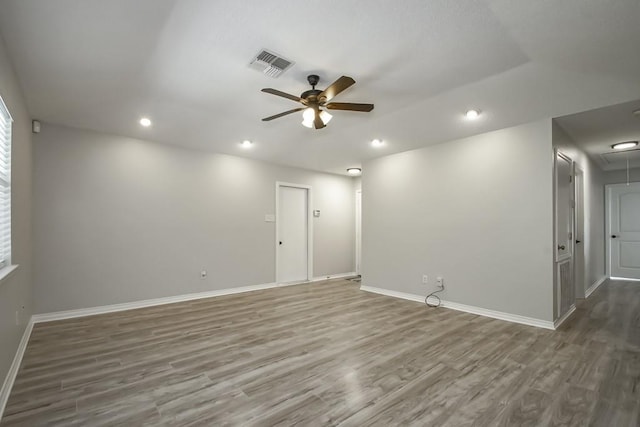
[
  {"x": 579, "y": 232},
  {"x": 308, "y": 188},
  {"x": 569, "y": 256},
  {"x": 607, "y": 228},
  {"x": 358, "y": 233}
]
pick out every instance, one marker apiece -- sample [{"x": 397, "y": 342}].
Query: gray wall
[
  {"x": 16, "y": 290},
  {"x": 474, "y": 210},
  {"x": 620, "y": 176},
  {"x": 119, "y": 220},
  {"x": 594, "y": 244}
]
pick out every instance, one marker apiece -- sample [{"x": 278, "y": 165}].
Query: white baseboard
[
  {"x": 7, "y": 385},
  {"x": 333, "y": 276},
  {"x": 595, "y": 286},
  {"x": 625, "y": 278},
  {"x": 514, "y": 318},
  {"x": 561, "y": 320},
  {"x": 395, "y": 294},
  {"x": 500, "y": 315},
  {"x": 91, "y": 311}
]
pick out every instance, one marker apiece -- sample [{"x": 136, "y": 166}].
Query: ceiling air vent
[{"x": 270, "y": 63}]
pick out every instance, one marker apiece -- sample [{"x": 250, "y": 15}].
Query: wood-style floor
[{"x": 330, "y": 354}]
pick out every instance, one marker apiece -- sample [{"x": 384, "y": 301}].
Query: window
[{"x": 5, "y": 186}]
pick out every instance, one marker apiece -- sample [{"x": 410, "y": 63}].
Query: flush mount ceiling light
[
  {"x": 354, "y": 171},
  {"x": 636, "y": 113},
  {"x": 146, "y": 122},
  {"x": 624, "y": 145},
  {"x": 246, "y": 143},
  {"x": 377, "y": 143},
  {"x": 472, "y": 114}
]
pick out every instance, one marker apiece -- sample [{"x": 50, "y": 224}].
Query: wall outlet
[
  {"x": 203, "y": 274},
  {"x": 425, "y": 279},
  {"x": 440, "y": 282}
]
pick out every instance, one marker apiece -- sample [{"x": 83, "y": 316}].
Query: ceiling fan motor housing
[{"x": 311, "y": 95}]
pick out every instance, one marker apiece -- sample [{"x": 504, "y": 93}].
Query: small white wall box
[{"x": 316, "y": 213}]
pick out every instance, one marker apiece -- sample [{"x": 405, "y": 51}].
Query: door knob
[
  {"x": 613, "y": 236},
  {"x": 280, "y": 243},
  {"x": 561, "y": 247},
  {"x": 578, "y": 241}
]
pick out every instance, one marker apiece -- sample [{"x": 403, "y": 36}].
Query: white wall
[
  {"x": 474, "y": 210},
  {"x": 16, "y": 290},
  {"x": 119, "y": 220},
  {"x": 594, "y": 243}
]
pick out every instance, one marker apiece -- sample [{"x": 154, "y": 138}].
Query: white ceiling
[
  {"x": 597, "y": 130},
  {"x": 101, "y": 65}
]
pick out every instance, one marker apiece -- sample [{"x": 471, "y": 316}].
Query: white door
[
  {"x": 624, "y": 230},
  {"x": 293, "y": 230},
  {"x": 564, "y": 203},
  {"x": 358, "y": 230}
]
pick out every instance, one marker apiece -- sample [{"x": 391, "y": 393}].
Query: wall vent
[{"x": 270, "y": 63}]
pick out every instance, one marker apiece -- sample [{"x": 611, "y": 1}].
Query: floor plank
[{"x": 330, "y": 354}]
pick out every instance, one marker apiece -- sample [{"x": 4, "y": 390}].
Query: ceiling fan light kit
[{"x": 315, "y": 99}]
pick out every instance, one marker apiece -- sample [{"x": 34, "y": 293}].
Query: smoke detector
[{"x": 270, "y": 63}]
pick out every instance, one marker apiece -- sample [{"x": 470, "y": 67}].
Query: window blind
[{"x": 5, "y": 185}]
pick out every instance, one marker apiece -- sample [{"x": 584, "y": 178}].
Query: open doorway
[
  {"x": 358, "y": 231},
  {"x": 579, "y": 265}
]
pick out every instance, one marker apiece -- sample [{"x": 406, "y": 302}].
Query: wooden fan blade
[
  {"x": 335, "y": 88},
  {"x": 277, "y": 116},
  {"x": 284, "y": 95},
  {"x": 317, "y": 121},
  {"x": 349, "y": 106}
]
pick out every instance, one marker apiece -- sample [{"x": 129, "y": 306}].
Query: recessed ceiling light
[
  {"x": 145, "y": 122},
  {"x": 472, "y": 114},
  {"x": 354, "y": 171},
  {"x": 624, "y": 145},
  {"x": 377, "y": 143},
  {"x": 246, "y": 143}
]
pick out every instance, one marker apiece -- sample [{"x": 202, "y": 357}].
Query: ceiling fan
[{"x": 313, "y": 99}]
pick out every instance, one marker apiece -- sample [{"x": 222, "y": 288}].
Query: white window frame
[{"x": 5, "y": 190}]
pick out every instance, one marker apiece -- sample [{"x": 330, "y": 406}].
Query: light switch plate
[{"x": 269, "y": 218}]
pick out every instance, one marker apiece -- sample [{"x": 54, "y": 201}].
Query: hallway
[{"x": 607, "y": 325}]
